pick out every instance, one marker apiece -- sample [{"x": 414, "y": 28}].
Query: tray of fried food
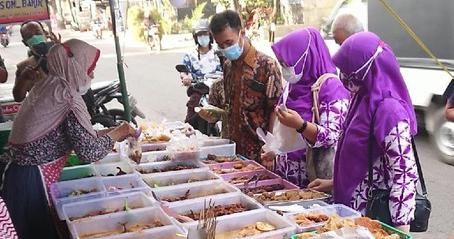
[
  {"x": 294, "y": 195},
  {"x": 381, "y": 230},
  {"x": 216, "y": 159},
  {"x": 324, "y": 219},
  {"x": 235, "y": 167}
]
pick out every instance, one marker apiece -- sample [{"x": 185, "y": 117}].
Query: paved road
[{"x": 152, "y": 79}]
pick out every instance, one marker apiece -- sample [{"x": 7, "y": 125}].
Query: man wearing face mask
[
  {"x": 200, "y": 61},
  {"x": 252, "y": 85},
  {"x": 28, "y": 71}
]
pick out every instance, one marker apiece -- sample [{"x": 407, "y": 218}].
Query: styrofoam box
[
  {"x": 160, "y": 165},
  {"x": 125, "y": 184},
  {"x": 222, "y": 150},
  {"x": 135, "y": 200},
  {"x": 59, "y": 192},
  {"x": 185, "y": 207},
  {"x": 111, "y": 168},
  {"x": 114, "y": 221},
  {"x": 77, "y": 172},
  {"x": 178, "y": 177},
  {"x": 110, "y": 158},
  {"x": 339, "y": 209},
  {"x": 214, "y": 187},
  {"x": 284, "y": 229},
  {"x": 249, "y": 174}
]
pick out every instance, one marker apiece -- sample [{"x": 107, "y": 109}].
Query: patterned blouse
[
  {"x": 201, "y": 64},
  {"x": 251, "y": 87},
  {"x": 69, "y": 135},
  {"x": 395, "y": 171},
  {"x": 332, "y": 117}
]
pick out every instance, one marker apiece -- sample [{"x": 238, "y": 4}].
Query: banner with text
[{"x": 15, "y": 11}]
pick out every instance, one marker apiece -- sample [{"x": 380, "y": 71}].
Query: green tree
[{"x": 135, "y": 19}]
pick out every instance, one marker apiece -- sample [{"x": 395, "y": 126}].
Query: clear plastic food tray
[
  {"x": 60, "y": 192},
  {"x": 161, "y": 165},
  {"x": 284, "y": 229},
  {"x": 323, "y": 197},
  {"x": 339, "y": 209},
  {"x": 296, "y": 206},
  {"x": 110, "y": 158},
  {"x": 154, "y": 156},
  {"x": 186, "y": 155},
  {"x": 286, "y": 184},
  {"x": 113, "y": 204},
  {"x": 156, "y": 180},
  {"x": 154, "y": 147},
  {"x": 249, "y": 174},
  {"x": 112, "y": 169},
  {"x": 213, "y": 142},
  {"x": 77, "y": 172},
  {"x": 224, "y": 150},
  {"x": 185, "y": 207},
  {"x": 125, "y": 184},
  {"x": 81, "y": 229},
  {"x": 200, "y": 190},
  {"x": 229, "y": 166}
]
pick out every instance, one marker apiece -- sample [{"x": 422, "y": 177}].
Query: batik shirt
[
  {"x": 252, "y": 86},
  {"x": 69, "y": 135},
  {"x": 395, "y": 171},
  {"x": 201, "y": 64},
  {"x": 291, "y": 166}
]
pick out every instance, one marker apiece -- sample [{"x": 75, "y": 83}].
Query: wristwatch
[{"x": 302, "y": 128}]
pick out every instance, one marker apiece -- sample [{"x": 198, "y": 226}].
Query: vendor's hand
[
  {"x": 404, "y": 228},
  {"x": 290, "y": 118},
  {"x": 27, "y": 78},
  {"x": 267, "y": 160},
  {"x": 207, "y": 115},
  {"x": 323, "y": 185},
  {"x": 185, "y": 79},
  {"x": 121, "y": 132},
  {"x": 54, "y": 38}
]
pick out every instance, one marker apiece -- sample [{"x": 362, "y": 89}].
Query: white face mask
[
  {"x": 84, "y": 88},
  {"x": 288, "y": 72}
]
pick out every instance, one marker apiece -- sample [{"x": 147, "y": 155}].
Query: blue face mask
[
  {"x": 203, "y": 40},
  {"x": 233, "y": 52},
  {"x": 35, "y": 39}
]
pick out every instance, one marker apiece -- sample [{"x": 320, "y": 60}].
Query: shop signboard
[{"x": 15, "y": 11}]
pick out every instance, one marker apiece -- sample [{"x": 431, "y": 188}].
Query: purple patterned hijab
[
  {"x": 382, "y": 83},
  {"x": 318, "y": 62}
]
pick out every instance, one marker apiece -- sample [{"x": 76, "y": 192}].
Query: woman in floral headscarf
[
  {"x": 370, "y": 70},
  {"x": 304, "y": 57},
  {"x": 52, "y": 121}
]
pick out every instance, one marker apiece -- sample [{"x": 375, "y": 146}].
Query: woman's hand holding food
[
  {"x": 208, "y": 116},
  {"x": 289, "y": 118},
  {"x": 322, "y": 185},
  {"x": 123, "y": 131},
  {"x": 267, "y": 160}
]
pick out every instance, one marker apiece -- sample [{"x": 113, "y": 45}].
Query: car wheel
[{"x": 443, "y": 137}]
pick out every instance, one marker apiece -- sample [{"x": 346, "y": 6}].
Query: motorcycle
[
  {"x": 104, "y": 92},
  {"x": 152, "y": 37},
  {"x": 200, "y": 86},
  {"x": 4, "y": 39}
]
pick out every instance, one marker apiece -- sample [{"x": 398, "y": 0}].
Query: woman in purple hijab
[
  {"x": 304, "y": 58},
  {"x": 369, "y": 69}
]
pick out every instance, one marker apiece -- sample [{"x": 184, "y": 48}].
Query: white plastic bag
[{"x": 287, "y": 139}]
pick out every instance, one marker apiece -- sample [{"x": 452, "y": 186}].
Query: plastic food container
[
  {"x": 165, "y": 232},
  {"x": 114, "y": 223},
  {"x": 77, "y": 172},
  {"x": 144, "y": 169},
  {"x": 225, "y": 168},
  {"x": 172, "y": 125},
  {"x": 200, "y": 190},
  {"x": 286, "y": 184},
  {"x": 110, "y": 170},
  {"x": 154, "y": 147},
  {"x": 154, "y": 156},
  {"x": 185, "y": 207},
  {"x": 93, "y": 208},
  {"x": 214, "y": 142},
  {"x": 339, "y": 209},
  {"x": 228, "y": 149},
  {"x": 61, "y": 192},
  {"x": 391, "y": 229},
  {"x": 322, "y": 197},
  {"x": 156, "y": 180},
  {"x": 110, "y": 158},
  {"x": 186, "y": 155},
  {"x": 125, "y": 184},
  {"x": 248, "y": 175},
  {"x": 284, "y": 229},
  {"x": 296, "y": 206}
]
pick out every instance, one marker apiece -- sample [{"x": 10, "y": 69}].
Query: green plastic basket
[{"x": 73, "y": 160}]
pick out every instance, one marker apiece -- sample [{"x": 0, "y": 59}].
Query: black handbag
[{"x": 378, "y": 199}]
